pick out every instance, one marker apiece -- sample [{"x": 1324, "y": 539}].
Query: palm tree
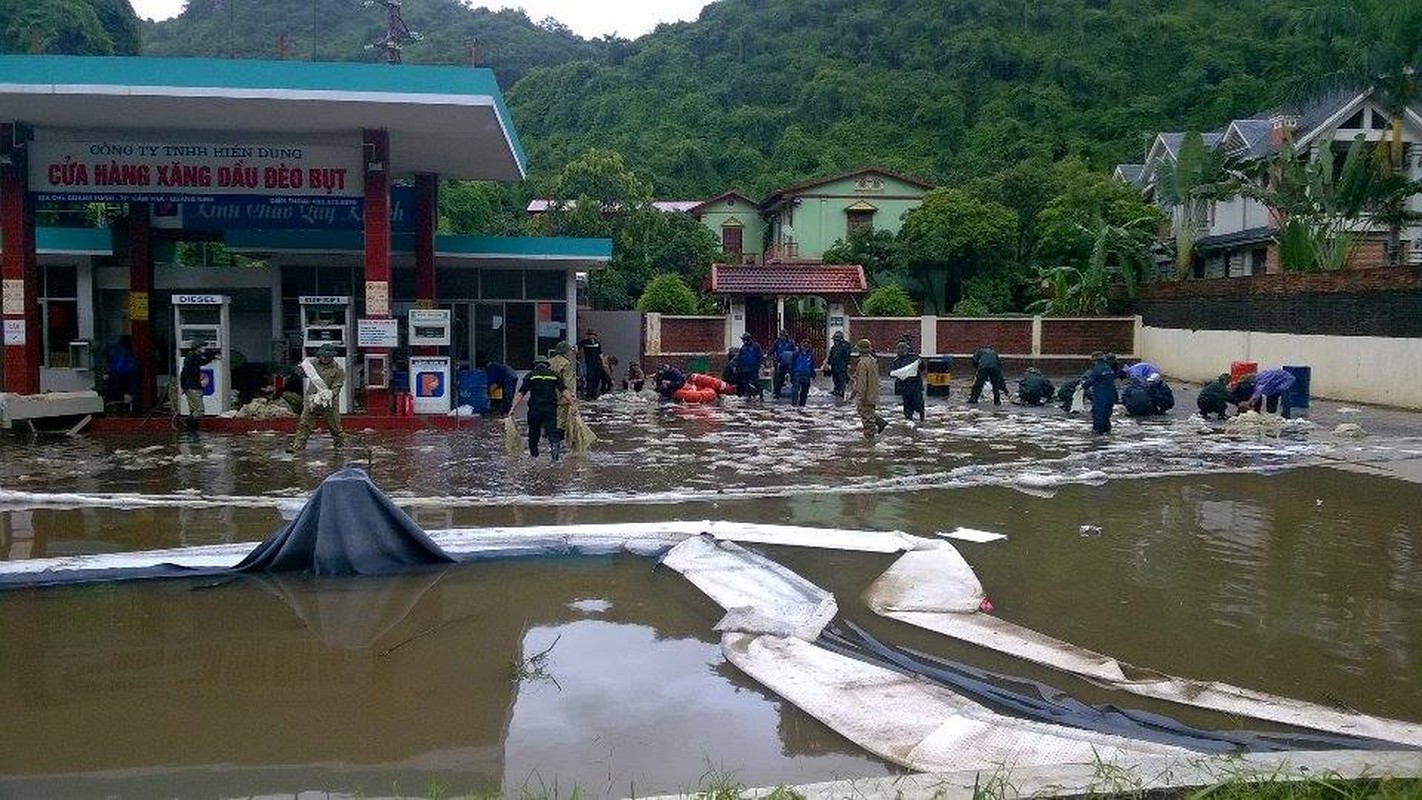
[
  {"x": 1378, "y": 43},
  {"x": 1198, "y": 178},
  {"x": 1118, "y": 252}
]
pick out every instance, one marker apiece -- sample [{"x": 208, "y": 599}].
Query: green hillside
[
  {"x": 339, "y": 30},
  {"x": 761, "y": 93}
]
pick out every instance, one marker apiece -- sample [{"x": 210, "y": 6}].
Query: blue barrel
[
  {"x": 473, "y": 389},
  {"x": 1297, "y": 399}
]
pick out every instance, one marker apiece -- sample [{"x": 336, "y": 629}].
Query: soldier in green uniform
[
  {"x": 190, "y": 380},
  {"x": 324, "y": 380},
  {"x": 1034, "y": 389},
  {"x": 560, "y": 363},
  {"x": 864, "y": 388},
  {"x": 1214, "y": 398}
]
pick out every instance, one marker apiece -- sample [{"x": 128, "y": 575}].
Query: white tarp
[
  {"x": 638, "y": 538},
  {"x": 913, "y": 722},
  {"x": 907, "y": 592},
  {"x": 759, "y": 595}
]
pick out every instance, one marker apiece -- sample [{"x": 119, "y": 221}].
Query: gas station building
[{"x": 321, "y": 177}]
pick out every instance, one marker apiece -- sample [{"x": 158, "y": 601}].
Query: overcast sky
[{"x": 590, "y": 18}]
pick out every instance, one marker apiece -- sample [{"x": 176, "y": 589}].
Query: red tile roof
[{"x": 787, "y": 279}]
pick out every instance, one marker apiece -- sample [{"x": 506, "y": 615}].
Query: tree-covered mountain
[
  {"x": 761, "y": 93},
  {"x": 339, "y": 30},
  {"x": 71, "y": 27}
]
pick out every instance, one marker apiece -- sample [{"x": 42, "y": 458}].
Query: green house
[
  {"x": 805, "y": 219},
  {"x": 737, "y": 223}
]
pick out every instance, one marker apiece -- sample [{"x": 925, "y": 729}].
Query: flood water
[{"x": 1234, "y": 559}]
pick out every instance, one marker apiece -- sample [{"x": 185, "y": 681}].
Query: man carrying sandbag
[{"x": 324, "y": 379}]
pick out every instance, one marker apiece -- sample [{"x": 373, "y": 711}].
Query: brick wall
[
  {"x": 694, "y": 335},
  {"x": 1072, "y": 337},
  {"x": 884, "y": 332},
  {"x": 1381, "y": 301},
  {"x": 1006, "y": 335}
]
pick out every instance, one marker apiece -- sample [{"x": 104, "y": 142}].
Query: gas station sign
[{"x": 157, "y": 171}]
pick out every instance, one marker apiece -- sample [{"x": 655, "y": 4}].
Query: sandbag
[
  {"x": 579, "y": 436},
  {"x": 513, "y": 443},
  {"x": 908, "y": 370}
]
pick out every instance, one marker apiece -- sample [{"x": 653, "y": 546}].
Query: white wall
[{"x": 1362, "y": 369}]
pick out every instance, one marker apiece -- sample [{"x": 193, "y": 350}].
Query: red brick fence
[{"x": 1048, "y": 341}]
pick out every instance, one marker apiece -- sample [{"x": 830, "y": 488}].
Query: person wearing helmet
[
  {"x": 560, "y": 363},
  {"x": 543, "y": 390},
  {"x": 911, "y": 387},
  {"x": 837, "y": 362},
  {"x": 1034, "y": 389},
  {"x": 324, "y": 381},
  {"x": 864, "y": 389},
  {"x": 989, "y": 370}
]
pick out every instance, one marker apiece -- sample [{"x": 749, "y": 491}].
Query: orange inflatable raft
[
  {"x": 694, "y": 394},
  {"x": 701, "y": 381}
]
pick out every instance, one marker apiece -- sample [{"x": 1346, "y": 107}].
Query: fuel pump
[
  {"x": 327, "y": 320},
  {"x": 203, "y": 320},
  {"x": 430, "y": 375}
]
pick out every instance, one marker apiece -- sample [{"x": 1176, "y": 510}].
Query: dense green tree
[
  {"x": 451, "y": 32},
  {"x": 951, "y": 236},
  {"x": 871, "y": 248},
  {"x": 889, "y": 300},
  {"x": 482, "y": 207},
  {"x": 68, "y": 27},
  {"x": 1066, "y": 226},
  {"x": 667, "y": 294}
]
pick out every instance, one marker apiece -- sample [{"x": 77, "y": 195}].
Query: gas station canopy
[{"x": 446, "y": 120}]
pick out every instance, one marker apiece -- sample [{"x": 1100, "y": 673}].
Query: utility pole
[{"x": 396, "y": 31}]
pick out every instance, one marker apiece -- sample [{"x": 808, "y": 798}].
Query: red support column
[
  {"x": 426, "y": 215},
  {"x": 19, "y": 272},
  {"x": 377, "y": 248},
  {"x": 140, "y": 290}
]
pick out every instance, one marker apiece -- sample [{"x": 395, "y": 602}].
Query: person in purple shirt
[
  {"x": 1140, "y": 372},
  {"x": 1264, "y": 389}
]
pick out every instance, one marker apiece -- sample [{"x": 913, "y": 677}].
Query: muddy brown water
[{"x": 1303, "y": 582}]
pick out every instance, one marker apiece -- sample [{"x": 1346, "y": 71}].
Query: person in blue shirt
[
  {"x": 802, "y": 372},
  {"x": 503, "y": 385},
  {"x": 123, "y": 373},
  {"x": 783, "y": 351},
  {"x": 1099, "y": 383},
  {"x": 748, "y": 362}
]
